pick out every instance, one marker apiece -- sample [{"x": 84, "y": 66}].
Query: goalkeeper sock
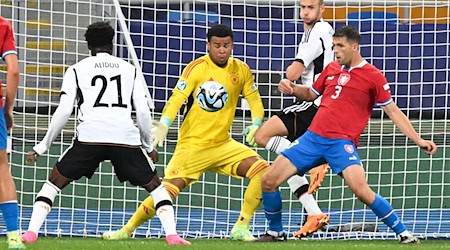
[
  {"x": 272, "y": 209},
  {"x": 386, "y": 213},
  {"x": 42, "y": 206},
  {"x": 252, "y": 196},
  {"x": 145, "y": 212},
  {"x": 10, "y": 211},
  {"x": 277, "y": 144},
  {"x": 299, "y": 186}
]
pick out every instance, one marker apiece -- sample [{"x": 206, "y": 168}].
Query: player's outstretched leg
[
  {"x": 14, "y": 240},
  {"x": 355, "y": 178},
  {"x": 252, "y": 200},
  {"x": 317, "y": 175}
]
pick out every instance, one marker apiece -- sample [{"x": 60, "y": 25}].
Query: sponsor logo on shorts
[{"x": 349, "y": 148}]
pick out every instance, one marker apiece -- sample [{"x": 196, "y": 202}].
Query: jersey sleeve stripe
[
  {"x": 191, "y": 67},
  {"x": 9, "y": 52},
  {"x": 315, "y": 91},
  {"x": 380, "y": 104}
]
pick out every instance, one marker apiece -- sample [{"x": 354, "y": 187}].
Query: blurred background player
[
  {"x": 351, "y": 87},
  {"x": 204, "y": 143},
  {"x": 314, "y": 53},
  {"x": 105, "y": 88},
  {"x": 8, "y": 194}
]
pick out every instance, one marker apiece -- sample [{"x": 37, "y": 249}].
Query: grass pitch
[{"x": 49, "y": 243}]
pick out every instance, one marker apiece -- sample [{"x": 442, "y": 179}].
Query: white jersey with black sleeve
[
  {"x": 105, "y": 88},
  {"x": 315, "y": 51}
]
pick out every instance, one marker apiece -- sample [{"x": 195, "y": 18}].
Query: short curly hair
[
  {"x": 99, "y": 34},
  {"x": 220, "y": 30}
]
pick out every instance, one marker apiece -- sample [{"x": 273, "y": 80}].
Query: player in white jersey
[
  {"x": 314, "y": 53},
  {"x": 105, "y": 88}
]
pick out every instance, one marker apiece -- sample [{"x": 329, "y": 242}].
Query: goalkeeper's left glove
[{"x": 250, "y": 131}]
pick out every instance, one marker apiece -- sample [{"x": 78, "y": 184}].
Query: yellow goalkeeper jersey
[{"x": 201, "y": 127}]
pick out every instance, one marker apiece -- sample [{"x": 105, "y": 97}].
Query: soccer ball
[{"x": 212, "y": 96}]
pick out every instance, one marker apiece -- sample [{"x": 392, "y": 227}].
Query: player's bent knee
[
  {"x": 269, "y": 183},
  {"x": 57, "y": 179},
  {"x": 153, "y": 184}
]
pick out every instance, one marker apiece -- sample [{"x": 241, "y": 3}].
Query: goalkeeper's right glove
[
  {"x": 159, "y": 132},
  {"x": 250, "y": 131}
]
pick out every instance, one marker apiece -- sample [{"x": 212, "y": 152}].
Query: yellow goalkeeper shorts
[{"x": 190, "y": 162}]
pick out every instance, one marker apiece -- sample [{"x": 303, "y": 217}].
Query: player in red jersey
[
  {"x": 8, "y": 195},
  {"x": 350, "y": 88}
]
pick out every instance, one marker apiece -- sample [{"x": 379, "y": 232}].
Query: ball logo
[
  {"x": 349, "y": 149},
  {"x": 211, "y": 96},
  {"x": 343, "y": 79}
]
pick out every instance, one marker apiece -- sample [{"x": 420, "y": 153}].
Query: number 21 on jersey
[{"x": 104, "y": 83}]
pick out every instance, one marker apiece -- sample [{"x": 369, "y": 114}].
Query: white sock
[
  {"x": 405, "y": 233},
  {"x": 165, "y": 212},
  {"x": 166, "y": 216},
  {"x": 307, "y": 200},
  {"x": 277, "y": 144},
  {"x": 41, "y": 208}
]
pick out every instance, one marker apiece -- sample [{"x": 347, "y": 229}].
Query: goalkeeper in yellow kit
[{"x": 204, "y": 142}]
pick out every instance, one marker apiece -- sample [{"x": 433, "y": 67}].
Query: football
[{"x": 212, "y": 96}]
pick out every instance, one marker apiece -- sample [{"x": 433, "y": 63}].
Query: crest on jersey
[
  {"x": 181, "y": 85},
  {"x": 234, "y": 78},
  {"x": 343, "y": 78},
  {"x": 349, "y": 148}
]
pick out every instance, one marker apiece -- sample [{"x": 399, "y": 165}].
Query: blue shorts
[
  {"x": 3, "y": 132},
  {"x": 312, "y": 150}
]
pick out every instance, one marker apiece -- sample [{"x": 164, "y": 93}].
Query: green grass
[{"x": 213, "y": 244}]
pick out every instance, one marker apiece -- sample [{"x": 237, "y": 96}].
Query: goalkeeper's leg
[
  {"x": 252, "y": 197},
  {"x": 145, "y": 212}
]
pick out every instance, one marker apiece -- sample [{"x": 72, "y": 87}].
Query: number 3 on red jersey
[{"x": 338, "y": 89}]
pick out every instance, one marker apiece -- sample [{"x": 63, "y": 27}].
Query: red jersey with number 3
[{"x": 348, "y": 98}]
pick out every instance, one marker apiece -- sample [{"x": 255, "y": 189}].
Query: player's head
[
  {"x": 311, "y": 11},
  {"x": 220, "y": 44},
  {"x": 346, "y": 44},
  {"x": 99, "y": 37}
]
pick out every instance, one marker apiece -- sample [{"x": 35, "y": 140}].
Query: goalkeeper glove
[
  {"x": 250, "y": 131},
  {"x": 159, "y": 131}
]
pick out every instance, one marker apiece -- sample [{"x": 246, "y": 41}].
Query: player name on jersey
[{"x": 101, "y": 65}]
